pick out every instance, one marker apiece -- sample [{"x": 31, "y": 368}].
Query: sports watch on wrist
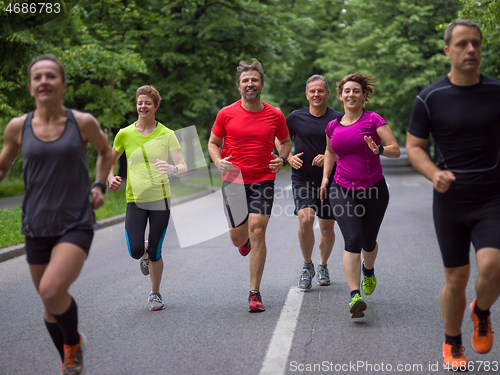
[
  {"x": 380, "y": 150},
  {"x": 285, "y": 162},
  {"x": 175, "y": 169},
  {"x": 102, "y": 185}
]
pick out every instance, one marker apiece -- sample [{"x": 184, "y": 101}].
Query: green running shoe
[
  {"x": 369, "y": 284},
  {"x": 357, "y": 307}
]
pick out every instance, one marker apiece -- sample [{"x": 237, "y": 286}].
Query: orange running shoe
[
  {"x": 454, "y": 358},
  {"x": 482, "y": 337},
  {"x": 74, "y": 358}
]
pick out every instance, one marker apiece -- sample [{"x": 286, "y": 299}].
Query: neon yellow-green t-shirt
[{"x": 144, "y": 182}]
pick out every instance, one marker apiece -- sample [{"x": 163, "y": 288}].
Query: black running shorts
[
  {"x": 305, "y": 195},
  {"x": 38, "y": 249},
  {"x": 241, "y": 200},
  {"x": 464, "y": 218}
]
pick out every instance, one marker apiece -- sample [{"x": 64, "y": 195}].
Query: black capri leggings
[
  {"x": 136, "y": 219},
  {"x": 359, "y": 214}
]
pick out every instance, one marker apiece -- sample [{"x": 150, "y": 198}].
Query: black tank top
[{"x": 57, "y": 182}]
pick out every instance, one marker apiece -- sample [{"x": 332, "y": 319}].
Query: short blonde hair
[{"x": 149, "y": 91}]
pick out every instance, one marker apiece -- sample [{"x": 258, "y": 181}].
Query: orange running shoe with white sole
[
  {"x": 454, "y": 358},
  {"x": 482, "y": 337}
]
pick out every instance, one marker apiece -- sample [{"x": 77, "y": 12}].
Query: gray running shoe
[
  {"x": 323, "y": 275},
  {"x": 144, "y": 265},
  {"x": 155, "y": 302},
  {"x": 306, "y": 277},
  {"x": 144, "y": 262}
]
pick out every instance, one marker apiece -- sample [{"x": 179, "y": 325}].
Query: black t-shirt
[
  {"x": 308, "y": 131},
  {"x": 465, "y": 124}
]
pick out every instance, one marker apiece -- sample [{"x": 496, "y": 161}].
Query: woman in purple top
[{"x": 359, "y": 194}]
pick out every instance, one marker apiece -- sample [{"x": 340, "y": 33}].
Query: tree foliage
[
  {"x": 487, "y": 15},
  {"x": 396, "y": 42},
  {"x": 192, "y": 49},
  {"x": 320, "y": 21},
  {"x": 189, "y": 50}
]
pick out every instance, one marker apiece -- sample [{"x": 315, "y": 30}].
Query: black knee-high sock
[
  {"x": 68, "y": 323},
  {"x": 56, "y": 336}
]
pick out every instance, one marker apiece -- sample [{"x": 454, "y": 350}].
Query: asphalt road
[{"x": 206, "y": 329}]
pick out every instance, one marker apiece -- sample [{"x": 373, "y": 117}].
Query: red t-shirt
[{"x": 249, "y": 138}]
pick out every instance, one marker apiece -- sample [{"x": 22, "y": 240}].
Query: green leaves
[
  {"x": 397, "y": 43},
  {"x": 487, "y": 15},
  {"x": 189, "y": 50}
]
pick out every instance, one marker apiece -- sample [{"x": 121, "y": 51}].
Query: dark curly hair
[{"x": 367, "y": 83}]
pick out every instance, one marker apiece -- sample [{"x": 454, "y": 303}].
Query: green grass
[
  {"x": 11, "y": 187},
  {"x": 10, "y": 227},
  {"x": 114, "y": 204}
]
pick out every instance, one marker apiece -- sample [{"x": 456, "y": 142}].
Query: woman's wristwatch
[{"x": 380, "y": 150}]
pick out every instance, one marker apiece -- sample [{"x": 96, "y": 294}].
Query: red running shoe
[
  {"x": 245, "y": 249},
  {"x": 255, "y": 302}
]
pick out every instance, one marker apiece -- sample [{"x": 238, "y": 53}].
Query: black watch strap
[
  {"x": 285, "y": 162},
  {"x": 102, "y": 185},
  {"x": 380, "y": 150}
]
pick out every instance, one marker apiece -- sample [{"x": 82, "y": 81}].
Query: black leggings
[
  {"x": 359, "y": 214},
  {"x": 136, "y": 220}
]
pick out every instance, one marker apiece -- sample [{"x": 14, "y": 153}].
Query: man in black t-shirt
[
  {"x": 307, "y": 126},
  {"x": 462, "y": 112}
]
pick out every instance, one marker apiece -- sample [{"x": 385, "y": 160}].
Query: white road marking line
[{"x": 279, "y": 347}]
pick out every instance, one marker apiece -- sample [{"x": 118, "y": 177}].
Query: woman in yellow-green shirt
[{"x": 147, "y": 144}]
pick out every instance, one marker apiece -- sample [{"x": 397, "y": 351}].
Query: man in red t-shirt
[{"x": 248, "y": 166}]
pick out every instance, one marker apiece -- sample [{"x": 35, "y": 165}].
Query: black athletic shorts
[
  {"x": 38, "y": 249},
  {"x": 241, "y": 200},
  {"x": 305, "y": 195},
  {"x": 464, "y": 218}
]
